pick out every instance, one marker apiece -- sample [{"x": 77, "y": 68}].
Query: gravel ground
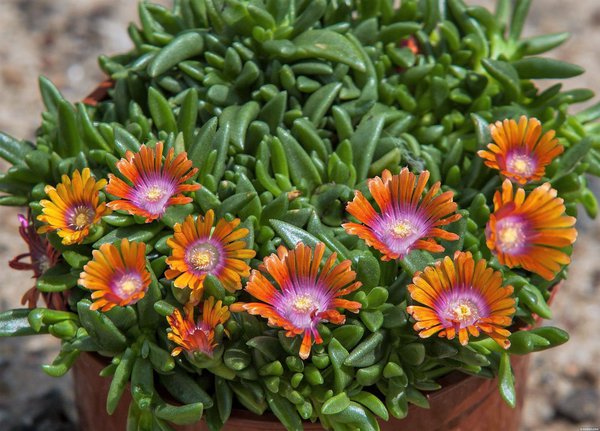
[{"x": 61, "y": 40}]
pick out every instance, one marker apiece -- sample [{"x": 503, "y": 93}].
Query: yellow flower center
[
  {"x": 521, "y": 165},
  {"x": 128, "y": 285},
  {"x": 511, "y": 235},
  {"x": 154, "y": 194},
  {"x": 82, "y": 217},
  {"x": 304, "y": 304},
  {"x": 203, "y": 257},
  {"x": 81, "y": 220},
  {"x": 462, "y": 311},
  {"x": 403, "y": 229},
  {"x": 465, "y": 311}
]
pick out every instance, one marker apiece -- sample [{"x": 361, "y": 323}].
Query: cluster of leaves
[{"x": 272, "y": 97}]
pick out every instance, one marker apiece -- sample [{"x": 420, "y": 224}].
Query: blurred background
[{"x": 61, "y": 39}]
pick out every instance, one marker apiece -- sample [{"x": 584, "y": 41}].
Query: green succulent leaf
[
  {"x": 14, "y": 323},
  {"x": 545, "y": 68},
  {"x": 506, "y": 382},
  {"x": 180, "y": 415},
  {"x": 328, "y": 45},
  {"x": 335, "y": 404}
]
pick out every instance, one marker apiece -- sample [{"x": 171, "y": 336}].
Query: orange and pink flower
[
  {"x": 411, "y": 43},
  {"x": 198, "y": 250},
  {"x": 406, "y": 219},
  {"x": 520, "y": 152},
  {"x": 462, "y": 297},
  {"x": 117, "y": 276},
  {"x": 73, "y": 207},
  {"x": 197, "y": 336},
  {"x": 529, "y": 231},
  {"x": 305, "y": 295},
  {"x": 152, "y": 185}
]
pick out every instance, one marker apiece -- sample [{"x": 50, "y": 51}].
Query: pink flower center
[
  {"x": 511, "y": 235},
  {"x": 521, "y": 164},
  {"x": 461, "y": 306},
  {"x": 402, "y": 229},
  {"x": 399, "y": 230},
  {"x": 464, "y": 312},
  {"x": 126, "y": 285},
  {"x": 80, "y": 217},
  {"x": 199, "y": 338},
  {"x": 152, "y": 194},
  {"x": 304, "y": 304},
  {"x": 203, "y": 257},
  {"x": 300, "y": 305}
]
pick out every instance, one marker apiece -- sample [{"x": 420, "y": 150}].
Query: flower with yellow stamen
[
  {"x": 529, "y": 230},
  {"x": 306, "y": 296},
  {"x": 460, "y": 297},
  {"x": 73, "y": 207},
  {"x": 198, "y": 250},
  {"x": 117, "y": 276},
  {"x": 520, "y": 152},
  {"x": 406, "y": 219},
  {"x": 155, "y": 185},
  {"x": 197, "y": 336}
]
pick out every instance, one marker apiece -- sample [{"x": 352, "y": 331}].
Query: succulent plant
[{"x": 289, "y": 111}]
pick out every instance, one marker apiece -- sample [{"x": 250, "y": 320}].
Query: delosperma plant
[{"x": 314, "y": 208}]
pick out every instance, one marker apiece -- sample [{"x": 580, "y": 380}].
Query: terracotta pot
[{"x": 464, "y": 403}]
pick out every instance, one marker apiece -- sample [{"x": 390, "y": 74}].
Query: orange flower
[
  {"x": 197, "y": 252},
  {"x": 461, "y": 296},
  {"x": 154, "y": 186},
  {"x": 199, "y": 336},
  {"x": 529, "y": 231},
  {"x": 117, "y": 277},
  {"x": 73, "y": 207},
  {"x": 406, "y": 219},
  {"x": 518, "y": 152},
  {"x": 411, "y": 43},
  {"x": 306, "y": 296}
]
